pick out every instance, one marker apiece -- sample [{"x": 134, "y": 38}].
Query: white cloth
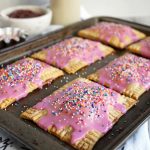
[{"x": 139, "y": 140}]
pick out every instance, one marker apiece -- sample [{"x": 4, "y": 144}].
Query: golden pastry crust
[
  {"x": 115, "y": 41},
  {"x": 89, "y": 35},
  {"x": 127, "y": 101},
  {"x": 135, "y": 48},
  {"x": 141, "y": 48},
  {"x": 41, "y": 55},
  {"x": 74, "y": 65},
  {"x": 134, "y": 90},
  {"x": 88, "y": 142},
  {"x": 33, "y": 114},
  {"x": 93, "y": 77},
  {"x": 51, "y": 74},
  {"x": 139, "y": 34},
  {"x": 106, "y": 49},
  {"x": 7, "y": 102},
  {"x": 64, "y": 134}
]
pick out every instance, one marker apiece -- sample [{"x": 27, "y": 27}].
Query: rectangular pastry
[
  {"x": 22, "y": 77},
  {"x": 73, "y": 54},
  {"x": 80, "y": 112},
  {"x": 128, "y": 74},
  {"x": 142, "y": 47},
  {"x": 114, "y": 34}
]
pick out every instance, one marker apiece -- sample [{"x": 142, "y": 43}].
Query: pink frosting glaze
[
  {"x": 107, "y": 30},
  {"x": 145, "y": 47},
  {"x": 126, "y": 70},
  {"x": 82, "y": 105},
  {"x": 15, "y": 78},
  {"x": 73, "y": 48}
]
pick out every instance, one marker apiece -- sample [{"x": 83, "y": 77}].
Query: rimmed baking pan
[{"x": 34, "y": 137}]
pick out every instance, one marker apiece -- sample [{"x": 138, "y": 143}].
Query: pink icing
[
  {"x": 82, "y": 105},
  {"x": 15, "y": 78},
  {"x": 126, "y": 70},
  {"x": 107, "y": 30},
  {"x": 145, "y": 47},
  {"x": 73, "y": 48}
]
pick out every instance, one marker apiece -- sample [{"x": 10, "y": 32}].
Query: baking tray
[{"x": 36, "y": 138}]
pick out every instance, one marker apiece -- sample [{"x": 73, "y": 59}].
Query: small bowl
[{"x": 33, "y": 25}]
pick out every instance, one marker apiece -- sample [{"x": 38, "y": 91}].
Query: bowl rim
[{"x": 4, "y": 14}]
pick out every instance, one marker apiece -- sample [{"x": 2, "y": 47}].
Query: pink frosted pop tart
[
  {"x": 80, "y": 112},
  {"x": 128, "y": 74},
  {"x": 22, "y": 77},
  {"x": 73, "y": 54},
  {"x": 117, "y": 35}
]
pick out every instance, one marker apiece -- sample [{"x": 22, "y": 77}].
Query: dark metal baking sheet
[{"x": 34, "y": 137}]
